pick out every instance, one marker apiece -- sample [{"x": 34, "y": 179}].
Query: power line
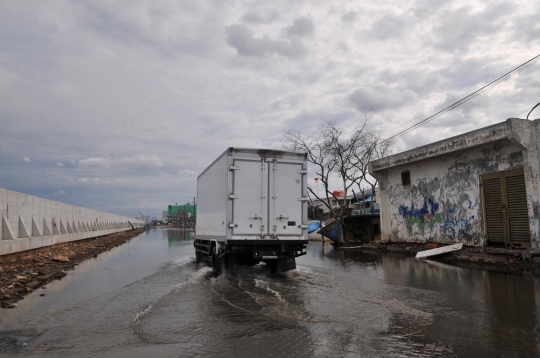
[{"x": 470, "y": 96}]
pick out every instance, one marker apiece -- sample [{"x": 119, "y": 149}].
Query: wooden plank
[{"x": 439, "y": 251}]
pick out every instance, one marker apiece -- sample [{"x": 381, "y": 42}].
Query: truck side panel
[{"x": 212, "y": 200}]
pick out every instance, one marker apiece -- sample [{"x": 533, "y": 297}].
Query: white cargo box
[{"x": 253, "y": 194}]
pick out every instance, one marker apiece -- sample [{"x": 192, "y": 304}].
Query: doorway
[{"x": 504, "y": 199}]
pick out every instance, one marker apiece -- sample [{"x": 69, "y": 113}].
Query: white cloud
[
  {"x": 59, "y": 192},
  {"x": 247, "y": 43},
  {"x": 27, "y": 160},
  {"x": 167, "y": 86},
  {"x": 60, "y": 164},
  {"x": 95, "y": 162}
]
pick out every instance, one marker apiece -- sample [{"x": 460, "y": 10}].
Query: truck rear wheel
[
  {"x": 232, "y": 265},
  {"x": 216, "y": 262},
  {"x": 272, "y": 265}
]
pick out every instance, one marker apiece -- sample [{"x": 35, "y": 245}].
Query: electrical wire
[
  {"x": 538, "y": 104},
  {"x": 468, "y": 97}
]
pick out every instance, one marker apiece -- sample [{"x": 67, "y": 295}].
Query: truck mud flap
[
  {"x": 202, "y": 246},
  {"x": 287, "y": 263}
]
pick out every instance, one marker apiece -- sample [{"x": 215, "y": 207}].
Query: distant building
[
  {"x": 181, "y": 212},
  {"x": 164, "y": 215},
  {"x": 358, "y": 204},
  {"x": 480, "y": 188}
]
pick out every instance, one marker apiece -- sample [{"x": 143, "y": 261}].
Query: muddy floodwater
[{"x": 148, "y": 298}]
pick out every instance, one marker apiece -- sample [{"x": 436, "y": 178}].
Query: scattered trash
[
  {"x": 439, "y": 251},
  {"x": 60, "y": 258}
]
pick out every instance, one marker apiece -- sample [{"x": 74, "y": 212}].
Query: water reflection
[
  {"x": 513, "y": 320},
  {"x": 176, "y": 235},
  {"x": 435, "y": 309},
  {"x": 497, "y": 310}
]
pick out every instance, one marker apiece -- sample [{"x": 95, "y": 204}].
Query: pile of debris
[{"x": 499, "y": 259}]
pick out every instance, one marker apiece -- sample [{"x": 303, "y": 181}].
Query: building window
[{"x": 406, "y": 178}]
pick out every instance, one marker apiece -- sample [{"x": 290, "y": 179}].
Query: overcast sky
[{"x": 118, "y": 105}]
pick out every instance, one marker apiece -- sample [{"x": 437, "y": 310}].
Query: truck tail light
[{"x": 238, "y": 248}]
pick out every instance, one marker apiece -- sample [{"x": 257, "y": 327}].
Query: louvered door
[
  {"x": 505, "y": 208},
  {"x": 494, "y": 210},
  {"x": 518, "y": 218}
]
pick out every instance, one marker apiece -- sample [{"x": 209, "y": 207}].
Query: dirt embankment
[{"x": 24, "y": 272}]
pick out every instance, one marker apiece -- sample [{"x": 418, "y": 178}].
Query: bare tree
[
  {"x": 317, "y": 150},
  {"x": 373, "y": 146},
  {"x": 341, "y": 151}
]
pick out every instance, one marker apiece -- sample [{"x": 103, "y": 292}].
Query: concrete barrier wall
[{"x": 29, "y": 222}]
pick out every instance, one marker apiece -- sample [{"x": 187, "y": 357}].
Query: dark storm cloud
[
  {"x": 302, "y": 27},
  {"x": 243, "y": 39},
  {"x": 380, "y": 98}
]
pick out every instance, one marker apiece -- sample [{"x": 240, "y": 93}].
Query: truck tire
[
  {"x": 232, "y": 265},
  {"x": 216, "y": 262},
  {"x": 272, "y": 265},
  {"x": 198, "y": 257}
]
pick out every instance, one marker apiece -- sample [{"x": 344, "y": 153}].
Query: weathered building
[{"x": 480, "y": 188}]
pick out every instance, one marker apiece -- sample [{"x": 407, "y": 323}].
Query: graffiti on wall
[
  {"x": 453, "y": 219},
  {"x": 530, "y": 208},
  {"x": 426, "y": 215}
]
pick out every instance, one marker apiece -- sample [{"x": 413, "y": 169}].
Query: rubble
[
  {"x": 494, "y": 259},
  {"x": 24, "y": 272}
]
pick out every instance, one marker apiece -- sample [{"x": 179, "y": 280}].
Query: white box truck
[{"x": 252, "y": 208}]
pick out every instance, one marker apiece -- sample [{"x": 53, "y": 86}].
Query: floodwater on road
[{"x": 149, "y": 298}]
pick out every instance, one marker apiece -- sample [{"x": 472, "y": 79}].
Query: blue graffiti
[
  {"x": 465, "y": 224},
  {"x": 429, "y": 208},
  {"x": 449, "y": 225}
]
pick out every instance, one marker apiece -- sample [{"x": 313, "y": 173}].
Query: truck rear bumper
[
  {"x": 260, "y": 242},
  {"x": 267, "y": 249}
]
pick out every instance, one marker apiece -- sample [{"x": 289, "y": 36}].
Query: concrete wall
[
  {"x": 527, "y": 133},
  {"x": 29, "y": 222},
  {"x": 443, "y": 202}
]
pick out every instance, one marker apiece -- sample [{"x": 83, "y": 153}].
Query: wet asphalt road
[{"x": 149, "y": 298}]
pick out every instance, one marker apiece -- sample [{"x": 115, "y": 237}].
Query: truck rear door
[
  {"x": 250, "y": 204},
  {"x": 286, "y": 192}
]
